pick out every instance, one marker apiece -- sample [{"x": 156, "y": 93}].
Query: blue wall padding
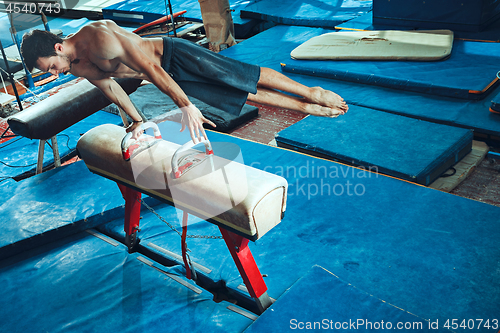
[
  {"x": 428, "y": 252},
  {"x": 328, "y": 303},
  {"x": 407, "y": 148},
  {"x": 472, "y": 66},
  {"x": 21, "y": 154},
  {"x": 365, "y": 22},
  {"x": 85, "y": 284},
  {"x": 468, "y": 114},
  {"x": 62, "y": 202},
  {"x": 321, "y": 13},
  {"x": 470, "y": 15},
  {"x": 24, "y": 22},
  {"x": 146, "y": 11}
]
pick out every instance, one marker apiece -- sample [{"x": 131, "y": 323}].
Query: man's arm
[
  {"x": 115, "y": 93},
  {"x": 129, "y": 53}
]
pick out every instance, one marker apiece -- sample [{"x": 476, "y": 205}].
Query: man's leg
[{"x": 315, "y": 100}]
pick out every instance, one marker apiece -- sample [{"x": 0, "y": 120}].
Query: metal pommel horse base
[{"x": 242, "y": 201}]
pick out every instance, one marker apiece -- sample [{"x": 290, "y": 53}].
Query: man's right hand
[
  {"x": 194, "y": 120},
  {"x": 136, "y": 129}
]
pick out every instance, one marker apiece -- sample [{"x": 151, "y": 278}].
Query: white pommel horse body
[{"x": 242, "y": 201}]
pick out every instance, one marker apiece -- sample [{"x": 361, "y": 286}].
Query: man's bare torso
[{"x": 100, "y": 49}]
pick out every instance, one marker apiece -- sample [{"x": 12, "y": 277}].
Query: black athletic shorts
[{"x": 217, "y": 80}]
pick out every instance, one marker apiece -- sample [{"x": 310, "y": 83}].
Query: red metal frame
[
  {"x": 132, "y": 209},
  {"x": 238, "y": 246}
]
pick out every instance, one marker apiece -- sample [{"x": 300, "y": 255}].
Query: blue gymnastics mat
[
  {"x": 321, "y": 13},
  {"x": 89, "y": 283},
  {"x": 145, "y": 11},
  {"x": 19, "y": 155},
  {"x": 55, "y": 204},
  {"x": 469, "y": 73},
  {"x": 431, "y": 253},
  {"x": 402, "y": 147},
  {"x": 451, "y": 111},
  {"x": 328, "y": 303}
]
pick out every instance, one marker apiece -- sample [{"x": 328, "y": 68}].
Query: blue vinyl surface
[
  {"x": 365, "y": 22},
  {"x": 54, "y": 204},
  {"x": 146, "y": 11},
  {"x": 85, "y": 284},
  {"x": 472, "y": 66},
  {"x": 20, "y": 154},
  {"x": 451, "y": 111},
  {"x": 431, "y": 253},
  {"x": 328, "y": 303},
  {"x": 406, "y": 148},
  {"x": 321, "y": 13}
]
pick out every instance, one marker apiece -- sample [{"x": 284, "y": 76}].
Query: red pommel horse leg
[{"x": 237, "y": 245}]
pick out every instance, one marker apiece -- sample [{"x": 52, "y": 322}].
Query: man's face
[{"x": 54, "y": 64}]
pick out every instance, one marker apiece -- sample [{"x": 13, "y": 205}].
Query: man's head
[{"x": 38, "y": 47}]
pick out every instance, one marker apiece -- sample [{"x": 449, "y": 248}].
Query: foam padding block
[
  {"x": 89, "y": 283},
  {"x": 451, "y": 111},
  {"x": 323, "y": 13},
  {"x": 153, "y": 103},
  {"x": 328, "y": 303},
  {"x": 407, "y": 148},
  {"x": 473, "y": 81}
]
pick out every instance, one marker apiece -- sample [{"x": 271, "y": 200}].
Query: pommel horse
[{"x": 242, "y": 201}]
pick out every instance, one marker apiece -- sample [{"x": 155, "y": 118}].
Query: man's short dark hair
[{"x": 38, "y": 44}]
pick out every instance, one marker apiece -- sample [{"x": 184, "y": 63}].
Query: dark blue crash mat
[
  {"x": 54, "y": 204},
  {"x": 445, "y": 110},
  {"x": 402, "y": 147},
  {"x": 328, "y": 303},
  {"x": 322, "y": 13},
  {"x": 89, "y": 283},
  {"x": 470, "y": 72}
]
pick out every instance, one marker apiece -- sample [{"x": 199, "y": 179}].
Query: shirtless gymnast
[{"x": 102, "y": 50}]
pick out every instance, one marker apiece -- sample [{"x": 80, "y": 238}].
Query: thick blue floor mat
[
  {"x": 451, "y": 111},
  {"x": 146, "y": 11},
  {"x": 55, "y": 204},
  {"x": 431, "y": 253},
  {"x": 456, "y": 76},
  {"x": 365, "y": 22},
  {"x": 322, "y": 13},
  {"x": 328, "y": 303},
  {"x": 88, "y": 284},
  {"x": 19, "y": 155},
  {"x": 402, "y": 147}
]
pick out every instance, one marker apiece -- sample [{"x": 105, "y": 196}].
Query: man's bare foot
[
  {"x": 322, "y": 111},
  {"x": 327, "y": 98}
]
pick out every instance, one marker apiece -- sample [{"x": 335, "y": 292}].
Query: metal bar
[
  {"x": 11, "y": 78},
  {"x": 39, "y": 164},
  {"x": 13, "y": 32},
  {"x": 238, "y": 247},
  {"x": 55, "y": 150}
]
